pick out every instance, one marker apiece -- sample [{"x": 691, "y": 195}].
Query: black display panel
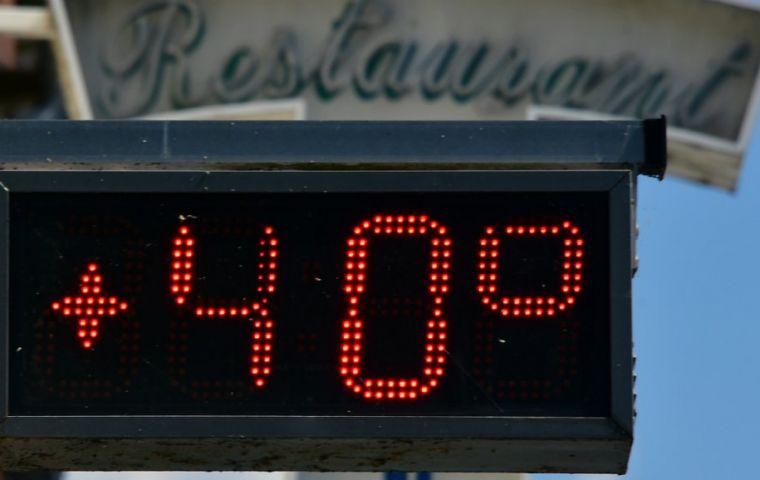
[{"x": 403, "y": 304}]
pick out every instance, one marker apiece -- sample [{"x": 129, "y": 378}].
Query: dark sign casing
[
  {"x": 426, "y": 317},
  {"x": 420, "y": 306}
]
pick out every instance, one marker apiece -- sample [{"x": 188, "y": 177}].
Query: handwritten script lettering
[{"x": 151, "y": 56}]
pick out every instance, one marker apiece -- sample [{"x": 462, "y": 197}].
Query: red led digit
[
  {"x": 90, "y": 307},
  {"x": 392, "y": 388},
  {"x": 531, "y": 305},
  {"x": 257, "y": 311}
]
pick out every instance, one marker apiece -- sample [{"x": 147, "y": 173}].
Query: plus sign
[{"x": 90, "y": 306}]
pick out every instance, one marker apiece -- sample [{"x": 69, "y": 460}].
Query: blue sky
[{"x": 697, "y": 329}]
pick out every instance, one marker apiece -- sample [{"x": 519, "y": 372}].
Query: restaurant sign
[{"x": 694, "y": 61}]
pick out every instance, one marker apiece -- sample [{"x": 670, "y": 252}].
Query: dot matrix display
[
  {"x": 310, "y": 304},
  {"x": 434, "y": 342},
  {"x": 572, "y": 265},
  {"x": 256, "y": 311}
]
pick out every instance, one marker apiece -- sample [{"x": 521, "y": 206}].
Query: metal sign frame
[
  {"x": 639, "y": 146},
  {"x": 333, "y": 443},
  {"x": 333, "y": 156}
]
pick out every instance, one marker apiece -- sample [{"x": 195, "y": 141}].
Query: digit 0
[
  {"x": 181, "y": 286},
  {"x": 531, "y": 305},
  {"x": 356, "y": 275}
]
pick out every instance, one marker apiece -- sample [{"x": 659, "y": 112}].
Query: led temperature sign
[
  {"x": 346, "y": 297},
  {"x": 411, "y": 296}
]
